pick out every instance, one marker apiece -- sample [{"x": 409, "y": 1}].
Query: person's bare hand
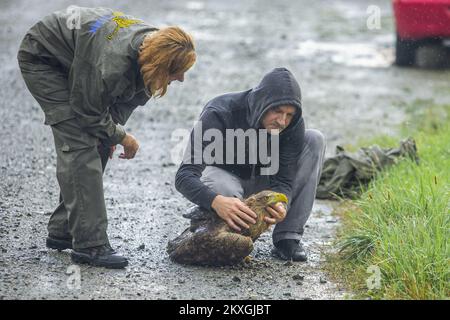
[
  {"x": 277, "y": 213},
  {"x": 235, "y": 212},
  {"x": 130, "y": 147}
]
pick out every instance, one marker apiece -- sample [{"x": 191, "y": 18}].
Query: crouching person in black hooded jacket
[{"x": 250, "y": 141}]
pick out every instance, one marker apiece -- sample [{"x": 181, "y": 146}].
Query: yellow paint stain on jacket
[{"x": 121, "y": 22}]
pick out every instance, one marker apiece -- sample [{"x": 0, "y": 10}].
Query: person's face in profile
[{"x": 278, "y": 118}]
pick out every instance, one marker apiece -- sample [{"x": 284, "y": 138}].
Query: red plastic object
[{"x": 420, "y": 19}]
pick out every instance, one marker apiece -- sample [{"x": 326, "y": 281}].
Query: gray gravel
[{"x": 350, "y": 91}]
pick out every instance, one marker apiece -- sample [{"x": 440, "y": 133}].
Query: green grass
[{"x": 401, "y": 222}]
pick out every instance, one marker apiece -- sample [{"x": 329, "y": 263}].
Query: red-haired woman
[{"x": 89, "y": 68}]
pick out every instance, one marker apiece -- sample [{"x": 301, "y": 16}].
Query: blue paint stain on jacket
[{"x": 100, "y": 22}]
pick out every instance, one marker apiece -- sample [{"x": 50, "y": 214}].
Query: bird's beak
[{"x": 279, "y": 197}]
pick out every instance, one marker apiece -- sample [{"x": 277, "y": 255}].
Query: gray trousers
[
  {"x": 81, "y": 213},
  {"x": 309, "y": 167},
  {"x": 81, "y": 159}
]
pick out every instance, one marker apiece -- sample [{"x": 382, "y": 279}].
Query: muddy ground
[{"x": 350, "y": 91}]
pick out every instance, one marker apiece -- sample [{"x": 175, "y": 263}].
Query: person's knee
[
  {"x": 86, "y": 160},
  {"x": 225, "y": 188},
  {"x": 222, "y": 182},
  {"x": 315, "y": 140},
  {"x": 227, "y": 191}
]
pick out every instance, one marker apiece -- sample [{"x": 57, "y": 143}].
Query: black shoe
[
  {"x": 290, "y": 249},
  {"x": 101, "y": 256},
  {"x": 58, "y": 243}
]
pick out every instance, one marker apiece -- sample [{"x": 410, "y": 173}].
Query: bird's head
[
  {"x": 270, "y": 197},
  {"x": 258, "y": 203}
]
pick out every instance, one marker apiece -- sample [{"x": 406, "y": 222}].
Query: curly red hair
[{"x": 164, "y": 53}]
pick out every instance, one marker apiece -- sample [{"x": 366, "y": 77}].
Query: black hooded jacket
[{"x": 244, "y": 110}]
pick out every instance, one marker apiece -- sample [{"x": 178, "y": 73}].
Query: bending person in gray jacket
[
  {"x": 89, "y": 68},
  {"x": 228, "y": 159}
]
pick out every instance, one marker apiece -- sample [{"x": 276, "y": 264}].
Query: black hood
[{"x": 278, "y": 87}]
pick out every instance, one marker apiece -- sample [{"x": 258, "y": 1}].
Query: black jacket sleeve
[{"x": 187, "y": 179}]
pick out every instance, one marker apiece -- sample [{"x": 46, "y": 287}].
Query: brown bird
[{"x": 210, "y": 241}]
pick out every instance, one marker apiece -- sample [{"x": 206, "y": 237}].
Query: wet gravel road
[{"x": 350, "y": 90}]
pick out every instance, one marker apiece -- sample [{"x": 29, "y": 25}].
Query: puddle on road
[
  {"x": 195, "y": 5},
  {"x": 361, "y": 54},
  {"x": 379, "y": 54}
]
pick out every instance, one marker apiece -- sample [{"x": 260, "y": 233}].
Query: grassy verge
[{"x": 399, "y": 227}]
